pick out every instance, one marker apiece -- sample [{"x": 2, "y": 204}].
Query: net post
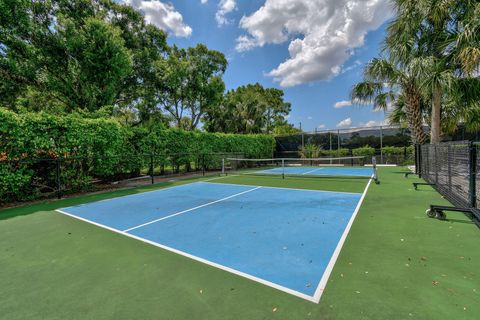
[
  {"x": 473, "y": 174},
  {"x": 375, "y": 173},
  {"x": 223, "y": 166},
  {"x": 283, "y": 168}
]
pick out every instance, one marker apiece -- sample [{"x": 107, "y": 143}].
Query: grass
[{"x": 395, "y": 264}]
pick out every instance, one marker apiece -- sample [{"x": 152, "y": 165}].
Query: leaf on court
[
  {"x": 201, "y": 291},
  {"x": 357, "y": 292},
  {"x": 435, "y": 282},
  {"x": 274, "y": 309}
]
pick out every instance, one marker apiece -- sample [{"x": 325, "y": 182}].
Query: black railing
[
  {"x": 451, "y": 168},
  {"x": 29, "y": 178}
]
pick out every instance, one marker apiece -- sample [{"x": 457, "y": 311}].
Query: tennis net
[{"x": 348, "y": 167}]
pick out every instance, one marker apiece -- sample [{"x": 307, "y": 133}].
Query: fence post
[
  {"x": 449, "y": 162},
  {"x": 420, "y": 159},
  {"x": 58, "y": 180},
  {"x": 151, "y": 169},
  {"x": 338, "y": 145},
  {"x": 330, "y": 134},
  {"x": 203, "y": 164},
  {"x": 473, "y": 175},
  {"x": 381, "y": 145}
]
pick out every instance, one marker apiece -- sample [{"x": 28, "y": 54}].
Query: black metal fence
[
  {"x": 451, "y": 167},
  {"x": 341, "y": 142},
  {"x": 33, "y": 178}
]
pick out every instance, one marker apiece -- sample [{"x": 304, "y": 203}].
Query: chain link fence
[
  {"x": 392, "y": 144},
  {"x": 34, "y": 178},
  {"x": 451, "y": 168}
]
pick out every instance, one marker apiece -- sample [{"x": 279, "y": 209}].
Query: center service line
[{"x": 191, "y": 209}]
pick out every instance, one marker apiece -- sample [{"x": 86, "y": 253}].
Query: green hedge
[
  {"x": 99, "y": 149},
  {"x": 342, "y": 152},
  {"x": 366, "y": 151}
]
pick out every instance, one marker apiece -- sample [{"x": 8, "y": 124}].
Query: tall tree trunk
[
  {"x": 414, "y": 118},
  {"x": 435, "y": 132}
]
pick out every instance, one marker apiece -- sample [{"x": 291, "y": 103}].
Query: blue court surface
[
  {"x": 322, "y": 171},
  {"x": 285, "y": 238}
]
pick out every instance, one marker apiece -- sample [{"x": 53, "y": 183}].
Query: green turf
[{"x": 396, "y": 264}]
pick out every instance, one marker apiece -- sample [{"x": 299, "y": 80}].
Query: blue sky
[{"x": 314, "y": 50}]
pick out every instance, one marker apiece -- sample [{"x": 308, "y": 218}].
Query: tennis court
[{"x": 285, "y": 238}]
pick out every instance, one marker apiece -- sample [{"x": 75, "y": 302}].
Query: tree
[
  {"x": 443, "y": 36},
  {"x": 190, "y": 82},
  {"x": 386, "y": 84},
  {"x": 80, "y": 63},
  {"x": 249, "y": 109},
  {"x": 78, "y": 54},
  {"x": 205, "y": 78},
  {"x": 285, "y": 129}
]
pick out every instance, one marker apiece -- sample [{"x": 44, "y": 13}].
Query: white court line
[
  {"x": 328, "y": 270},
  {"x": 191, "y": 209},
  {"x": 312, "y": 171},
  {"x": 210, "y": 263}
]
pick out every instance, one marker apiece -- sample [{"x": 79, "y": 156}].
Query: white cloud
[
  {"x": 204, "y": 1},
  {"x": 162, "y": 15},
  {"x": 341, "y": 104},
  {"x": 309, "y": 117},
  {"x": 224, "y": 8},
  {"x": 351, "y": 67},
  {"x": 345, "y": 123},
  {"x": 321, "y": 126},
  {"x": 322, "y": 34}
]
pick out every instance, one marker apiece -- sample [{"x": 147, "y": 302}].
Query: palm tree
[
  {"x": 442, "y": 36},
  {"x": 386, "y": 84}
]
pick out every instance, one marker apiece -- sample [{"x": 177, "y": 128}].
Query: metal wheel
[
  {"x": 441, "y": 215},
  {"x": 430, "y": 213}
]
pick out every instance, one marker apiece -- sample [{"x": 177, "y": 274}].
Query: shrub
[
  {"x": 99, "y": 148},
  {"x": 309, "y": 151},
  {"x": 366, "y": 151},
  {"x": 342, "y": 152}
]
